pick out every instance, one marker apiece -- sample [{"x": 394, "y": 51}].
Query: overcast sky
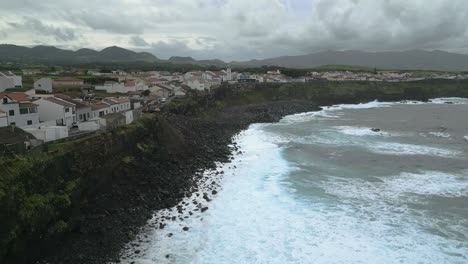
[{"x": 237, "y": 29}]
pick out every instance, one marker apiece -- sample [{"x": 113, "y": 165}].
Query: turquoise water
[{"x": 324, "y": 188}]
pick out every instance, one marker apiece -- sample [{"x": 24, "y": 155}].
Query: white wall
[
  {"x": 51, "y": 111},
  {"x": 43, "y": 124},
  {"x": 106, "y": 111},
  {"x": 17, "y": 80},
  {"x": 89, "y": 126},
  {"x": 19, "y": 119},
  {"x": 48, "y": 133},
  {"x": 120, "y": 88},
  {"x": 3, "y": 119},
  {"x": 128, "y": 117},
  {"x": 6, "y": 83},
  {"x": 86, "y": 114},
  {"x": 44, "y": 84}
]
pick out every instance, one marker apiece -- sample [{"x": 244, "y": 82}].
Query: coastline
[
  {"x": 101, "y": 190},
  {"x": 115, "y": 218}
]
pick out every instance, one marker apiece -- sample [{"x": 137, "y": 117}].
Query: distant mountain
[
  {"x": 190, "y": 60},
  {"x": 398, "y": 60},
  {"x": 179, "y": 59},
  {"x": 404, "y": 60},
  {"x": 49, "y": 54}
]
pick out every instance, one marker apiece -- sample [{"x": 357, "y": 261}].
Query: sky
[{"x": 237, "y": 29}]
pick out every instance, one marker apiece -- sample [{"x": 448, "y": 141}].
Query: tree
[{"x": 146, "y": 92}]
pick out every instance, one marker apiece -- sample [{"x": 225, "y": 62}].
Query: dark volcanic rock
[{"x": 159, "y": 180}]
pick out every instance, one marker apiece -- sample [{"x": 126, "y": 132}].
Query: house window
[
  {"x": 81, "y": 117},
  {"x": 5, "y": 100},
  {"x": 32, "y": 110},
  {"x": 67, "y": 110},
  {"x": 88, "y": 115},
  {"x": 101, "y": 113},
  {"x": 29, "y": 122},
  {"x": 24, "y": 111},
  {"x": 11, "y": 112},
  {"x": 73, "y": 112},
  {"x": 13, "y": 123}
]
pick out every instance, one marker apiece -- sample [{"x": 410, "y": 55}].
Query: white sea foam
[
  {"x": 394, "y": 148},
  {"x": 259, "y": 217},
  {"x": 362, "y": 131},
  {"x": 376, "y": 146},
  {"x": 440, "y": 134},
  {"x": 445, "y": 100},
  {"x": 330, "y": 112},
  {"x": 395, "y": 187},
  {"x": 255, "y": 219}
]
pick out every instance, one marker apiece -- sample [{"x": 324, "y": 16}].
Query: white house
[
  {"x": 161, "y": 91},
  {"x": 53, "y": 108},
  {"x": 6, "y": 83},
  {"x": 17, "y": 80},
  {"x": 100, "y": 109},
  {"x": 31, "y": 72},
  {"x": 19, "y": 108},
  {"x": 118, "y": 104},
  {"x": 197, "y": 84},
  {"x": 83, "y": 109},
  {"x": 43, "y": 84},
  {"x": 68, "y": 81},
  {"x": 115, "y": 87},
  {"x": 180, "y": 94},
  {"x": 3, "y": 118},
  {"x": 111, "y": 87}
]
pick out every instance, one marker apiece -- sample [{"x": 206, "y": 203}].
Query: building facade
[
  {"x": 43, "y": 84},
  {"x": 52, "y": 108},
  {"x": 19, "y": 109}
]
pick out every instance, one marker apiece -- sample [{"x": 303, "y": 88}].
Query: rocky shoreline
[{"x": 113, "y": 218}]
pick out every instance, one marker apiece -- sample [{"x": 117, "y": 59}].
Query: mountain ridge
[
  {"x": 395, "y": 60},
  {"x": 51, "y": 54}
]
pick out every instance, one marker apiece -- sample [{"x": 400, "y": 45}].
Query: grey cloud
[
  {"x": 33, "y": 24},
  {"x": 108, "y": 21},
  {"x": 241, "y": 29},
  {"x": 138, "y": 41}
]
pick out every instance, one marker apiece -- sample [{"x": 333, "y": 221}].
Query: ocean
[{"x": 369, "y": 183}]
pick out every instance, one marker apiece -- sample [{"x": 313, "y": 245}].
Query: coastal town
[{"x": 58, "y": 104}]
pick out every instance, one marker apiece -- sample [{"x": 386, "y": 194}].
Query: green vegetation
[{"x": 41, "y": 194}]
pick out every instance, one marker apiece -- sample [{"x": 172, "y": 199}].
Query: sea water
[{"x": 369, "y": 183}]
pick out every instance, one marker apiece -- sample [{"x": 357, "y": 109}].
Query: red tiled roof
[
  {"x": 78, "y": 104},
  {"x": 19, "y": 97},
  {"x": 130, "y": 84},
  {"x": 98, "y": 106}
]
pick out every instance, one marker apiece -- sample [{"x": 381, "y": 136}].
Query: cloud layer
[{"x": 238, "y": 29}]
